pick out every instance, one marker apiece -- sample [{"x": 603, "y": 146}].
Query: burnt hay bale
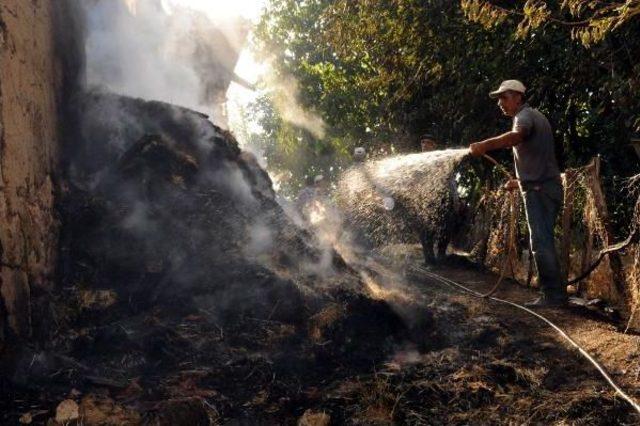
[{"x": 163, "y": 207}]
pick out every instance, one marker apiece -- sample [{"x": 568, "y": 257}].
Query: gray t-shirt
[{"x": 534, "y": 157}]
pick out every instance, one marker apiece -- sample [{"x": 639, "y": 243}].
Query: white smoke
[
  {"x": 167, "y": 50},
  {"x": 184, "y": 52},
  {"x": 286, "y": 99}
]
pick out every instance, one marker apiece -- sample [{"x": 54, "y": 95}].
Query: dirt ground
[
  {"x": 617, "y": 350},
  {"x": 469, "y": 361},
  {"x": 561, "y": 386},
  {"x": 496, "y": 365}
]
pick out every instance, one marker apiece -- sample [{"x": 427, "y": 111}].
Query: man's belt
[{"x": 536, "y": 185}]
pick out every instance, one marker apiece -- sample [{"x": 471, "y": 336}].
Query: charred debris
[{"x": 177, "y": 265}]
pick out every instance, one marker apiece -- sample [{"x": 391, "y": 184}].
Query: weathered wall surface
[{"x": 28, "y": 151}]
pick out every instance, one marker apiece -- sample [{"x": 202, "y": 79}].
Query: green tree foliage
[
  {"x": 384, "y": 71},
  {"x": 293, "y": 153},
  {"x": 590, "y": 21},
  {"x": 289, "y": 37}
]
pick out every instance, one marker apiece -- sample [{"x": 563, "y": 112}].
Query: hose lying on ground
[{"x": 583, "y": 352}]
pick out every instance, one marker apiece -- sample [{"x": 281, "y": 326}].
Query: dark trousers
[{"x": 542, "y": 204}]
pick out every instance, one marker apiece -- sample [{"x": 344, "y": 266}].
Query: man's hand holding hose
[{"x": 479, "y": 149}]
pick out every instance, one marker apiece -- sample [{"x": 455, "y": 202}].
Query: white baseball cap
[{"x": 506, "y": 85}]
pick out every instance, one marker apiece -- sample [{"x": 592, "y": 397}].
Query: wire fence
[{"x": 499, "y": 239}]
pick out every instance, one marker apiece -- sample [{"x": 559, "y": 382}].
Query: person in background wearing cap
[
  {"x": 428, "y": 143},
  {"x": 321, "y": 184},
  {"x": 538, "y": 177}
]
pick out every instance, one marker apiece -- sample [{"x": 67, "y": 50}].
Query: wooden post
[
  {"x": 603, "y": 214},
  {"x": 565, "y": 244},
  {"x": 587, "y": 254}
]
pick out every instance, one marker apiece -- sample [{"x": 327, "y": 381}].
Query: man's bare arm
[{"x": 505, "y": 140}]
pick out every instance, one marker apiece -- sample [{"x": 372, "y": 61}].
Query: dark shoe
[{"x": 546, "y": 302}]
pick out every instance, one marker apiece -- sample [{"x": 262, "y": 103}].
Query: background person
[{"x": 428, "y": 143}]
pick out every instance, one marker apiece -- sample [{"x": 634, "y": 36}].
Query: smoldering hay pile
[
  {"x": 163, "y": 207},
  {"x": 396, "y": 199},
  {"x": 180, "y": 272}
]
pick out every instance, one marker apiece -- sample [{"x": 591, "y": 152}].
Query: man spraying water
[{"x": 538, "y": 178}]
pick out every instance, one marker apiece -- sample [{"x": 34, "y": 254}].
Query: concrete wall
[{"x": 28, "y": 152}]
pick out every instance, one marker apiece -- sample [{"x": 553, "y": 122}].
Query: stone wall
[{"x": 28, "y": 152}]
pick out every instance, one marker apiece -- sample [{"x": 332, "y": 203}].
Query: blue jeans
[{"x": 542, "y": 203}]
